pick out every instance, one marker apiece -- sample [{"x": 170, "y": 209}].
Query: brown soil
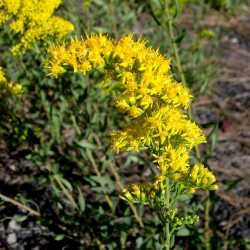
[{"x": 229, "y": 107}]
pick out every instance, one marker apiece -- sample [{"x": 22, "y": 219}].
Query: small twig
[
  {"x": 65, "y": 191},
  {"x": 236, "y": 218},
  {"x": 18, "y": 204},
  {"x": 109, "y": 201}
]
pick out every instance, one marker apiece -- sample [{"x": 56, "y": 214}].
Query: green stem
[
  {"x": 170, "y": 27},
  {"x": 18, "y": 204},
  {"x": 65, "y": 191},
  {"x": 95, "y": 167},
  {"x": 206, "y": 224},
  {"x": 167, "y": 226}
]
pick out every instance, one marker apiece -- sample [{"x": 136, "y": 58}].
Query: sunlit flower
[
  {"x": 33, "y": 21},
  {"x": 140, "y": 81}
]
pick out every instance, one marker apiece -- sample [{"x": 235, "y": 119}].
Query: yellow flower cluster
[
  {"x": 12, "y": 88},
  {"x": 137, "y": 192},
  {"x": 139, "y": 79},
  {"x": 82, "y": 55},
  {"x": 174, "y": 161},
  {"x": 33, "y": 20},
  {"x": 202, "y": 177},
  {"x": 143, "y": 192},
  {"x": 160, "y": 129}
]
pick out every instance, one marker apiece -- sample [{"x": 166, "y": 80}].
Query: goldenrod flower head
[
  {"x": 164, "y": 127},
  {"x": 33, "y": 20},
  {"x": 142, "y": 75},
  {"x": 174, "y": 162},
  {"x": 82, "y": 55},
  {"x": 15, "y": 88},
  {"x": 136, "y": 192},
  {"x": 7, "y": 9},
  {"x": 202, "y": 177},
  {"x": 139, "y": 79},
  {"x": 144, "y": 193}
]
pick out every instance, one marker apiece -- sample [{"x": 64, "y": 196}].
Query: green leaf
[
  {"x": 183, "y": 232},
  {"x": 59, "y": 237},
  {"x": 81, "y": 200},
  {"x": 20, "y": 218},
  {"x": 139, "y": 242},
  {"x": 85, "y": 145},
  {"x": 67, "y": 184},
  {"x": 102, "y": 183}
]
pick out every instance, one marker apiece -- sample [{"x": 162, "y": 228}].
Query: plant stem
[
  {"x": 65, "y": 191},
  {"x": 206, "y": 224},
  {"x": 95, "y": 167},
  {"x": 18, "y": 204},
  {"x": 169, "y": 23},
  {"x": 167, "y": 203}
]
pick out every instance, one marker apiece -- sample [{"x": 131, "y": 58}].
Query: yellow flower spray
[
  {"x": 33, "y": 21},
  {"x": 139, "y": 79},
  {"x": 7, "y": 87}
]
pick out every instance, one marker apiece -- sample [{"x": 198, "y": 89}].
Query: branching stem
[{"x": 18, "y": 204}]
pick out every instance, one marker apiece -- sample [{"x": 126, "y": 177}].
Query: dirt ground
[{"x": 229, "y": 106}]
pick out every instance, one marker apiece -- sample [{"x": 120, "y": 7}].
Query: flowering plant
[
  {"x": 139, "y": 79},
  {"x": 33, "y": 21}
]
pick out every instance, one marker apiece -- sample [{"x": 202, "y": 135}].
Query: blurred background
[{"x": 59, "y": 182}]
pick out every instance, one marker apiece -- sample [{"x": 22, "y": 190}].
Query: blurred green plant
[
  {"x": 33, "y": 21},
  {"x": 224, "y": 4}
]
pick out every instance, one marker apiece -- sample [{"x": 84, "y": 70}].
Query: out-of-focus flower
[
  {"x": 33, "y": 21},
  {"x": 10, "y": 87}
]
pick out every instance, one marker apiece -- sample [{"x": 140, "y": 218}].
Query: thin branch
[
  {"x": 109, "y": 201},
  {"x": 18, "y": 204}
]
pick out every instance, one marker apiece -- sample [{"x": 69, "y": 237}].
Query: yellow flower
[
  {"x": 2, "y": 75},
  {"x": 140, "y": 192},
  {"x": 139, "y": 79},
  {"x": 10, "y": 87},
  {"x": 15, "y": 88},
  {"x": 121, "y": 104},
  {"x": 202, "y": 177},
  {"x": 174, "y": 162},
  {"x": 33, "y": 20}
]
